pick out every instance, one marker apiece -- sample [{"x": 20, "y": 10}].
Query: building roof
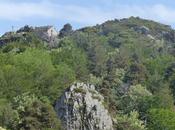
[{"x": 43, "y": 28}]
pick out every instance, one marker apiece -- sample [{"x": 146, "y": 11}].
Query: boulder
[{"x": 81, "y": 107}]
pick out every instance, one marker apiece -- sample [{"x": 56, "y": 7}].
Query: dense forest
[{"x": 130, "y": 61}]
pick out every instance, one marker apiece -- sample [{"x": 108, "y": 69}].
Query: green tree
[
  {"x": 161, "y": 119},
  {"x": 75, "y": 58},
  {"x": 34, "y": 114},
  {"x": 136, "y": 74},
  {"x": 129, "y": 122},
  {"x": 132, "y": 98}
]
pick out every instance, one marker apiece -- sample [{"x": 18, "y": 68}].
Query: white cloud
[
  {"x": 156, "y": 12},
  {"x": 18, "y": 11},
  {"x": 84, "y": 15}
]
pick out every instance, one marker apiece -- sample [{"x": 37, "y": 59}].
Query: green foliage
[
  {"x": 2, "y": 128},
  {"x": 75, "y": 59},
  {"x": 116, "y": 77},
  {"x": 115, "y": 40},
  {"x": 131, "y": 62},
  {"x": 22, "y": 42},
  {"x": 154, "y": 26},
  {"x": 136, "y": 74},
  {"x": 33, "y": 71},
  {"x": 161, "y": 119},
  {"x": 154, "y": 82},
  {"x": 97, "y": 81},
  {"x": 159, "y": 64},
  {"x": 63, "y": 76},
  {"x": 32, "y": 114},
  {"x": 95, "y": 47},
  {"x": 170, "y": 76},
  {"x": 131, "y": 99},
  {"x": 129, "y": 122},
  {"x": 138, "y": 91},
  {"x": 7, "y": 115},
  {"x": 39, "y": 116},
  {"x": 22, "y": 101},
  {"x": 165, "y": 97}
]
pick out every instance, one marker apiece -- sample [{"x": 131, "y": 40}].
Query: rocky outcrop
[
  {"x": 142, "y": 30},
  {"x": 48, "y": 34},
  {"x": 169, "y": 36},
  {"x": 81, "y": 108},
  {"x": 25, "y": 29},
  {"x": 65, "y": 31}
]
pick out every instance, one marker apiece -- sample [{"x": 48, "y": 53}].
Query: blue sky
[{"x": 80, "y": 13}]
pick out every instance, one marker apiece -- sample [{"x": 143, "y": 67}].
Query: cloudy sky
[{"x": 81, "y": 13}]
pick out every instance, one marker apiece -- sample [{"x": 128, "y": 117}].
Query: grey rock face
[
  {"x": 143, "y": 30},
  {"x": 169, "y": 36},
  {"x": 81, "y": 108}
]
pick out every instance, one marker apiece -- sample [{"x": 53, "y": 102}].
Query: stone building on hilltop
[{"x": 46, "y": 33}]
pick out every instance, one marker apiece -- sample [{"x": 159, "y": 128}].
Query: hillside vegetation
[{"x": 130, "y": 61}]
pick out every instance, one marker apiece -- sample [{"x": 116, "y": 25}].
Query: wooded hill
[{"x": 130, "y": 61}]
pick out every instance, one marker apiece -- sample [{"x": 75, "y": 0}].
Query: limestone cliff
[{"x": 81, "y": 108}]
